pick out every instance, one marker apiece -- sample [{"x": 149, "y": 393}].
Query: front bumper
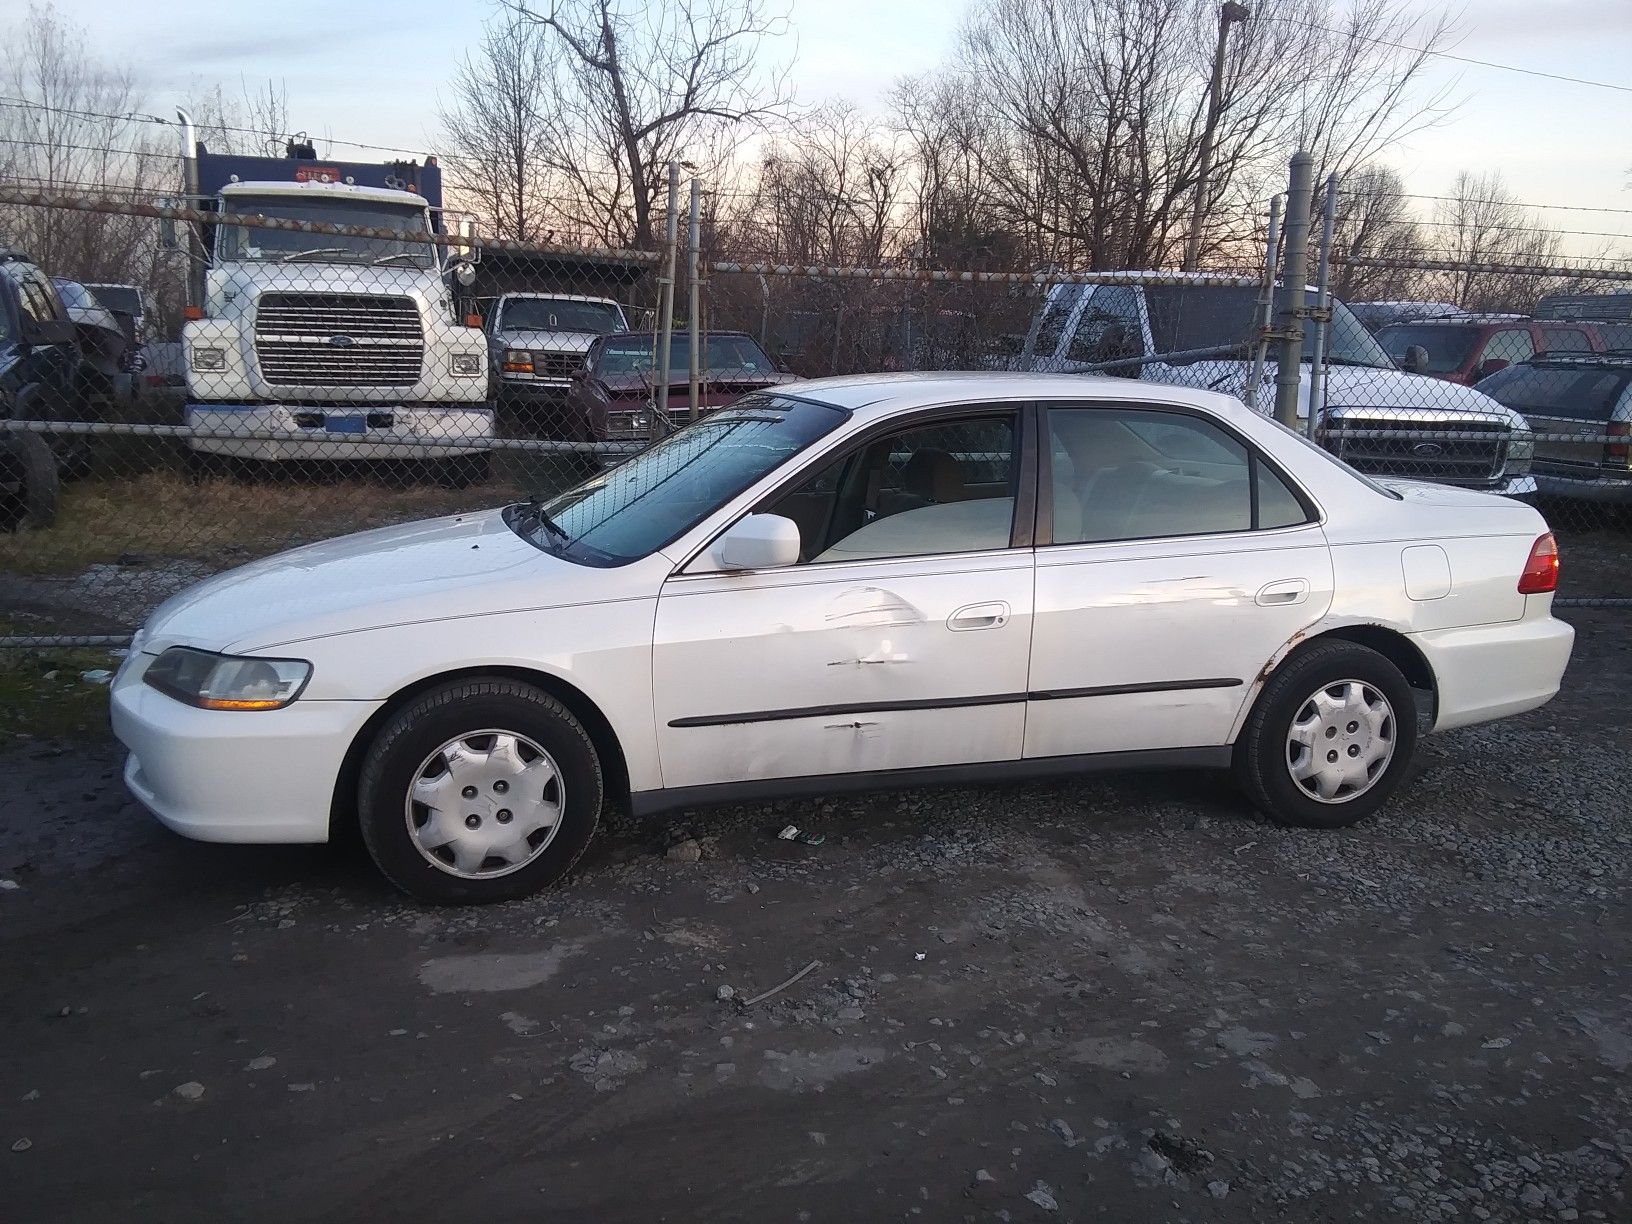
[
  {"x": 220, "y": 776},
  {"x": 533, "y": 390},
  {"x": 276, "y": 432},
  {"x": 1494, "y": 671}
]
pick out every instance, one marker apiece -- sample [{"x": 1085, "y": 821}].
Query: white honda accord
[{"x": 859, "y": 582}]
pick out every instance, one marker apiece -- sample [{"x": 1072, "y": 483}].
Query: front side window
[
  {"x": 1197, "y": 315},
  {"x": 1062, "y": 300},
  {"x": 667, "y": 489},
  {"x": 1108, "y": 329},
  {"x": 1448, "y": 346},
  {"x": 1511, "y": 344},
  {"x": 261, "y": 244},
  {"x": 560, "y": 314},
  {"x": 942, "y": 488},
  {"x": 1136, "y": 474}
]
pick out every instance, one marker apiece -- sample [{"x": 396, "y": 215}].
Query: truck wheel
[
  {"x": 1330, "y": 739},
  {"x": 28, "y": 482}
]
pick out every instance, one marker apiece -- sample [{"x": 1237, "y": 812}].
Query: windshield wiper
[
  {"x": 1353, "y": 361},
  {"x": 294, "y": 255},
  {"x": 536, "y": 513},
  {"x": 397, "y": 255}
]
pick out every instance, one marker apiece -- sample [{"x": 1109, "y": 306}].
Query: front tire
[
  {"x": 479, "y": 791},
  {"x": 1331, "y": 737}
]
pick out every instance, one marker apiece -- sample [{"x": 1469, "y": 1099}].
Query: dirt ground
[{"x": 1122, "y": 998}]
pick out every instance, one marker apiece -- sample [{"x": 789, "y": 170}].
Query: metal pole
[
  {"x": 693, "y": 242},
  {"x": 1294, "y": 286},
  {"x": 1227, "y": 14},
  {"x": 1323, "y": 299},
  {"x": 1266, "y": 302},
  {"x": 665, "y": 310}
]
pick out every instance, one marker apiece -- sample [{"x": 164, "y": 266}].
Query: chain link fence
[{"x": 344, "y": 368}]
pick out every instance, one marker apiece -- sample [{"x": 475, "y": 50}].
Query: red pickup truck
[{"x": 1471, "y": 347}]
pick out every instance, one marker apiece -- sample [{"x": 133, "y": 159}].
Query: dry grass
[{"x": 161, "y": 515}]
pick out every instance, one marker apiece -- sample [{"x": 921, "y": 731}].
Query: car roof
[
  {"x": 679, "y": 333},
  {"x": 375, "y": 195},
  {"x": 556, "y": 297},
  {"x": 877, "y": 394}
]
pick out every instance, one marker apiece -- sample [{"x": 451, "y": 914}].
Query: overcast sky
[{"x": 369, "y": 70}]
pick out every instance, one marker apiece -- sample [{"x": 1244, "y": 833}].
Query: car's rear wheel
[
  {"x": 481, "y": 790},
  {"x": 1330, "y": 739}
]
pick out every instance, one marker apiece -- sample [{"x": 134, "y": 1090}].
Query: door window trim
[{"x": 1043, "y": 535}]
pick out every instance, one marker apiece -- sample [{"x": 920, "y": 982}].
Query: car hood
[
  {"x": 546, "y": 341},
  {"x": 462, "y": 565}
]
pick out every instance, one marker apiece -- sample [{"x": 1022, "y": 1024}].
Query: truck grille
[
  {"x": 1468, "y": 453},
  {"x": 338, "y": 340},
  {"x": 556, "y": 365}
]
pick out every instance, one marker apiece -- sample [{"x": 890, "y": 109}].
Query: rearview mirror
[
  {"x": 760, "y": 541},
  {"x": 47, "y": 331},
  {"x": 1416, "y": 360}
]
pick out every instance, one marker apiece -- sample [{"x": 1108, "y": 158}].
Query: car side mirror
[
  {"x": 1416, "y": 360},
  {"x": 1490, "y": 366},
  {"x": 47, "y": 331},
  {"x": 760, "y": 541}
]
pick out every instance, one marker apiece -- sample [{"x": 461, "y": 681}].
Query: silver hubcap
[
  {"x": 1341, "y": 741},
  {"x": 484, "y": 804}
]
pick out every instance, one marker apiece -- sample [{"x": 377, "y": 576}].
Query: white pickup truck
[{"x": 1377, "y": 418}]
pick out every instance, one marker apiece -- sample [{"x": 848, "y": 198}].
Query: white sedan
[{"x": 871, "y": 582}]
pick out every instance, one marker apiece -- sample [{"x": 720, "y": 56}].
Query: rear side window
[{"x": 1584, "y": 395}]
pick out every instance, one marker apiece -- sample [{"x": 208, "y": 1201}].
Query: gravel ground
[{"x": 1122, "y": 998}]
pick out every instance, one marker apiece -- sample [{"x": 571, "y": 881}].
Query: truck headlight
[
  {"x": 465, "y": 365},
  {"x": 209, "y": 359},
  {"x": 518, "y": 361},
  {"x": 227, "y": 682},
  {"x": 1521, "y": 452}
]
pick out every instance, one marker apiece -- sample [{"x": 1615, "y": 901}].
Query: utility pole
[
  {"x": 1294, "y": 287},
  {"x": 1228, "y": 15},
  {"x": 665, "y": 310},
  {"x": 693, "y": 242}
]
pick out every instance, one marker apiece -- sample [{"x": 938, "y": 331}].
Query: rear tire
[
  {"x": 479, "y": 791},
  {"x": 29, "y": 484},
  {"x": 1330, "y": 739}
]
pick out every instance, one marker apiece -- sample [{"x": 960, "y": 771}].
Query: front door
[
  {"x": 899, "y": 641},
  {"x": 1173, "y": 563}
]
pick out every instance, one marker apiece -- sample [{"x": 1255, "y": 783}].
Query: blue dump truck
[{"x": 318, "y": 346}]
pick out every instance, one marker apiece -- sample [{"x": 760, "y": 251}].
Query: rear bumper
[
  {"x": 232, "y": 777},
  {"x": 1607, "y": 485},
  {"x": 1493, "y": 671},
  {"x": 277, "y": 432}
]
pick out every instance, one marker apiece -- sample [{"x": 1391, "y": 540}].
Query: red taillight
[
  {"x": 1541, "y": 569},
  {"x": 1619, "y": 452}
]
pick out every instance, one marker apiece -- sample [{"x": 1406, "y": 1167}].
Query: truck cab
[
  {"x": 537, "y": 342},
  {"x": 315, "y": 345}
]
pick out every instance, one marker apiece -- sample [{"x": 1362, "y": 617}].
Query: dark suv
[
  {"x": 1466, "y": 349},
  {"x": 41, "y": 379}
]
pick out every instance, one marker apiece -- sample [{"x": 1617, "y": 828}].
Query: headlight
[
  {"x": 209, "y": 359},
  {"x": 465, "y": 365},
  {"x": 518, "y": 361},
  {"x": 225, "y": 682},
  {"x": 1521, "y": 451}
]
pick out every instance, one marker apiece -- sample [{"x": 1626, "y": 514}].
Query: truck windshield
[
  {"x": 665, "y": 490},
  {"x": 245, "y": 242},
  {"x": 560, "y": 314},
  {"x": 721, "y": 354},
  {"x": 1199, "y": 316}
]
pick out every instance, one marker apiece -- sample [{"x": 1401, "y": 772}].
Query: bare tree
[
  {"x": 634, "y": 87},
  {"x": 496, "y": 130},
  {"x": 1373, "y": 219},
  {"x": 1481, "y": 222}
]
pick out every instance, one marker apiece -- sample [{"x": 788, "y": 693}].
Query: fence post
[
  {"x": 665, "y": 310},
  {"x": 1323, "y": 303},
  {"x": 693, "y": 309},
  {"x": 1294, "y": 286},
  {"x": 1266, "y": 303}
]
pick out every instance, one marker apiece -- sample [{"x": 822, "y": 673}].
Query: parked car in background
[
  {"x": 1466, "y": 349},
  {"x": 1373, "y": 315},
  {"x": 613, "y": 395},
  {"x": 108, "y": 354},
  {"x": 866, "y": 582},
  {"x": 1587, "y": 397},
  {"x": 536, "y": 342},
  {"x": 1380, "y": 419},
  {"x": 160, "y": 374}
]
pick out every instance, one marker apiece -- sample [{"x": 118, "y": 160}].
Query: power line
[{"x": 1412, "y": 195}]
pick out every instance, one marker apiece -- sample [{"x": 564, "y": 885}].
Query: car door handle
[
  {"x": 1286, "y": 591},
  {"x": 992, "y": 615}
]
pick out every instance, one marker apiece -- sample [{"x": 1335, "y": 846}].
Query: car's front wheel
[
  {"x": 1330, "y": 739},
  {"x": 480, "y": 790}
]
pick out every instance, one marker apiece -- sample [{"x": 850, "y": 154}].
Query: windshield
[
  {"x": 1448, "y": 347},
  {"x": 241, "y": 242},
  {"x": 1201, "y": 316},
  {"x": 721, "y": 354},
  {"x": 667, "y": 489},
  {"x": 126, "y": 299},
  {"x": 560, "y": 314}
]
